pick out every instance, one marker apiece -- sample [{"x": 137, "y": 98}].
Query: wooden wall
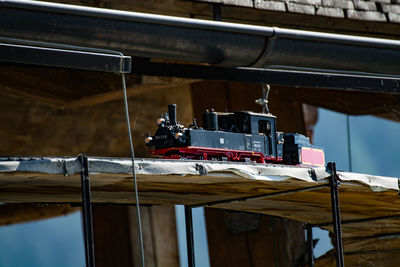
[{"x": 31, "y": 128}]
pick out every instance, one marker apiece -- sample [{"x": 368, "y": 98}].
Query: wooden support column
[
  {"x": 111, "y": 230},
  {"x": 243, "y": 239},
  {"x": 116, "y": 236},
  {"x": 160, "y": 237}
]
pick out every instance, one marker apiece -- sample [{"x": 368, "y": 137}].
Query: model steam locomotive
[{"x": 238, "y": 136}]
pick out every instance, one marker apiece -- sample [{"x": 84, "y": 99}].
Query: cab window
[{"x": 264, "y": 127}]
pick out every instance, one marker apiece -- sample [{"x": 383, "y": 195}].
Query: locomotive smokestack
[
  {"x": 206, "y": 120},
  {"x": 213, "y": 121},
  {"x": 210, "y": 120},
  {"x": 172, "y": 113}
]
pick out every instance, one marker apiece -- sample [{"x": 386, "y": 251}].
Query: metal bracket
[
  {"x": 63, "y": 56},
  {"x": 217, "y": 16},
  {"x": 87, "y": 211}
]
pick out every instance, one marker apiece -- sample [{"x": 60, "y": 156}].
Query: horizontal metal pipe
[
  {"x": 194, "y": 40},
  {"x": 133, "y": 33},
  {"x": 331, "y": 52}
]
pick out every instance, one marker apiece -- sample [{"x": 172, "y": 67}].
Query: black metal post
[
  {"x": 217, "y": 12},
  {"x": 87, "y": 212},
  {"x": 189, "y": 236},
  {"x": 337, "y": 228},
  {"x": 310, "y": 245}
]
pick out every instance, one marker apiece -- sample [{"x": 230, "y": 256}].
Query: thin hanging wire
[
  {"x": 349, "y": 143},
  {"x": 133, "y": 171}
]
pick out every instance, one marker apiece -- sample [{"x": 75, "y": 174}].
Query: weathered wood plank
[
  {"x": 160, "y": 236},
  {"x": 55, "y": 86},
  {"x": 65, "y": 88},
  {"x": 239, "y": 239},
  {"x": 350, "y": 102},
  {"x": 21, "y": 213},
  {"x": 111, "y": 230},
  {"x": 162, "y": 182},
  {"x": 130, "y": 91}
]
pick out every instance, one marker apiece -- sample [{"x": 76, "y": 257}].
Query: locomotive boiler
[{"x": 232, "y": 136}]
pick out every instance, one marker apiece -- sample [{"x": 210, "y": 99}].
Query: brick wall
[{"x": 365, "y": 10}]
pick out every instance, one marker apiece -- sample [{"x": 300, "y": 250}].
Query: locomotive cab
[
  {"x": 240, "y": 131},
  {"x": 264, "y": 126}
]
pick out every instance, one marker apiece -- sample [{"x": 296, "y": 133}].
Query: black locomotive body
[{"x": 237, "y": 136}]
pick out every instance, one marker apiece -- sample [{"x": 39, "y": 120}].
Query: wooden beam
[
  {"x": 160, "y": 235},
  {"x": 116, "y": 237},
  {"x": 243, "y": 239},
  {"x": 111, "y": 230},
  {"x": 114, "y": 184},
  {"x": 65, "y": 88},
  {"x": 22, "y": 213},
  {"x": 350, "y": 102},
  {"x": 186, "y": 183},
  {"x": 131, "y": 91},
  {"x": 56, "y": 86}
]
